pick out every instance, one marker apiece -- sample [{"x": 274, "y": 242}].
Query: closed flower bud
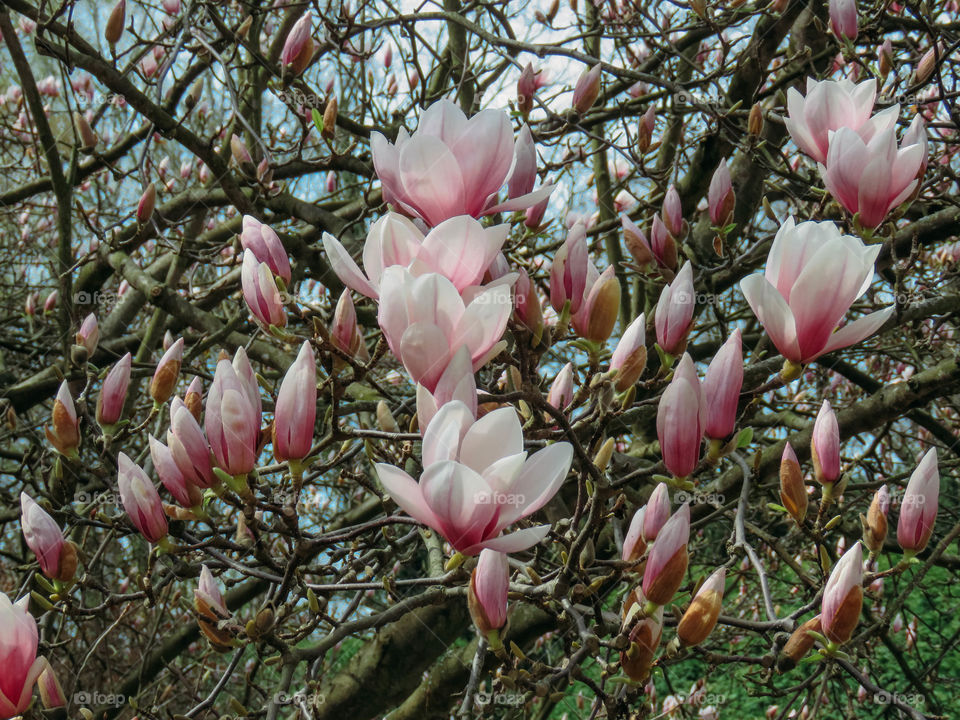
[
  {"x": 184, "y": 492},
  {"x": 843, "y": 597},
  {"x": 113, "y": 393},
  {"x": 64, "y": 432},
  {"x": 645, "y": 129},
  {"x": 89, "y": 334},
  {"x": 630, "y": 356},
  {"x": 918, "y": 509},
  {"x": 875, "y": 522},
  {"x": 193, "y": 399},
  {"x": 526, "y": 88},
  {"x": 141, "y": 500},
  {"x": 634, "y": 546},
  {"x": 561, "y": 391},
  {"x": 657, "y": 512},
  {"x": 241, "y": 155},
  {"x": 587, "y": 89},
  {"x": 569, "y": 270},
  {"x": 673, "y": 212},
  {"x": 793, "y": 493},
  {"x": 755, "y": 120},
  {"x": 194, "y": 93},
  {"x": 701, "y": 617},
  {"x": 330, "y": 118},
  {"x": 667, "y": 562},
  {"x": 113, "y": 30},
  {"x": 885, "y": 59},
  {"x": 385, "y": 419},
  {"x": 721, "y": 388},
  {"x": 721, "y": 198},
  {"x": 674, "y": 312},
  {"x": 799, "y": 644},
  {"x": 298, "y": 47},
  {"x": 487, "y": 592},
  {"x": 843, "y": 19},
  {"x": 825, "y": 445},
  {"x": 43, "y": 536},
  {"x": 148, "y": 202},
  {"x": 928, "y": 63},
  {"x": 598, "y": 314},
  {"x": 51, "y": 694},
  {"x": 88, "y": 138},
  {"x": 644, "y": 637},
  {"x": 296, "y": 408},
  {"x": 168, "y": 371},
  {"x": 260, "y": 291},
  {"x": 527, "y": 303}
]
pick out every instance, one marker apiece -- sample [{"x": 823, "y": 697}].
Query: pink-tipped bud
[
  {"x": 186, "y": 494},
  {"x": 644, "y": 636},
  {"x": 43, "y": 537},
  {"x": 533, "y": 216},
  {"x": 296, "y": 408},
  {"x": 141, "y": 500},
  {"x": 487, "y": 592},
  {"x": 168, "y": 371},
  {"x": 527, "y": 303},
  {"x": 598, "y": 313},
  {"x": 630, "y": 356},
  {"x": 64, "y": 430},
  {"x": 51, "y": 694},
  {"x": 721, "y": 199},
  {"x": 885, "y": 59},
  {"x": 343, "y": 329},
  {"x": 298, "y": 47},
  {"x": 587, "y": 89},
  {"x": 843, "y": 19},
  {"x": 928, "y": 63},
  {"x": 875, "y": 521},
  {"x": 231, "y": 421},
  {"x": 266, "y": 246},
  {"x": 645, "y": 129},
  {"x": 843, "y": 597},
  {"x": 113, "y": 393},
  {"x": 51, "y": 302},
  {"x": 674, "y": 312},
  {"x": 331, "y": 182},
  {"x": 524, "y": 165},
  {"x": 667, "y": 562},
  {"x": 561, "y": 391},
  {"x": 85, "y": 133},
  {"x": 673, "y": 212},
  {"x": 825, "y": 445},
  {"x": 721, "y": 388},
  {"x": 681, "y": 414},
  {"x": 634, "y": 546},
  {"x": 701, "y": 617},
  {"x": 568, "y": 272},
  {"x": 241, "y": 155},
  {"x": 657, "y": 512},
  {"x": 148, "y": 202},
  {"x": 918, "y": 510},
  {"x": 526, "y": 89},
  {"x": 261, "y": 292},
  {"x": 210, "y": 606},
  {"x": 89, "y": 334},
  {"x": 189, "y": 446},
  {"x": 793, "y": 492},
  {"x": 193, "y": 398}
]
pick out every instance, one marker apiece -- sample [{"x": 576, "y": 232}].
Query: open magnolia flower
[
  {"x": 830, "y": 105},
  {"x": 813, "y": 275},
  {"x": 425, "y": 321},
  {"x": 477, "y": 480},
  {"x": 460, "y": 249},
  {"x": 451, "y": 165},
  {"x": 18, "y": 656}
]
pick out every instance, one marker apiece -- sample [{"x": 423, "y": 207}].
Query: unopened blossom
[
  {"x": 657, "y": 512},
  {"x": 843, "y": 18},
  {"x": 260, "y": 291},
  {"x": 569, "y": 270},
  {"x": 843, "y": 597},
  {"x": 265, "y": 244},
  {"x": 64, "y": 430},
  {"x": 587, "y": 89},
  {"x": 721, "y": 388},
  {"x": 597, "y": 315},
  {"x": 681, "y": 416},
  {"x": 231, "y": 422},
  {"x": 560, "y": 394},
  {"x": 18, "y": 656},
  {"x": 296, "y": 409},
  {"x": 478, "y": 480},
  {"x": 825, "y": 445},
  {"x": 720, "y": 198},
  {"x": 44, "y": 537},
  {"x": 667, "y": 561},
  {"x": 113, "y": 392},
  {"x": 89, "y": 334},
  {"x": 298, "y": 47},
  {"x": 189, "y": 446},
  {"x": 487, "y": 591},
  {"x": 701, "y": 617},
  {"x": 918, "y": 509},
  {"x": 451, "y": 165},
  {"x": 165, "y": 376},
  {"x": 674, "y": 312},
  {"x": 183, "y": 491},
  {"x": 141, "y": 500},
  {"x": 630, "y": 356}
]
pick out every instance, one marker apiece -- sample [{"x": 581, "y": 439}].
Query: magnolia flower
[
  {"x": 630, "y": 356},
  {"x": 296, "y": 408},
  {"x": 460, "y": 249},
  {"x": 18, "y": 656},
  {"x": 173, "y": 479},
  {"x": 830, "y": 105},
  {"x": 721, "y": 388},
  {"x": 812, "y": 277},
  {"x": 64, "y": 430},
  {"x": 298, "y": 47},
  {"x": 701, "y": 617},
  {"x": 456, "y": 383},
  {"x": 265, "y": 244},
  {"x": 569, "y": 270},
  {"x": 231, "y": 421},
  {"x": 674, "y": 311},
  {"x": 487, "y": 592},
  {"x": 89, "y": 334},
  {"x": 189, "y": 447},
  {"x": 634, "y": 544},
  {"x": 600, "y": 308},
  {"x": 843, "y": 596},
  {"x": 661, "y": 248},
  {"x": 681, "y": 416},
  {"x": 261, "y": 292},
  {"x": 667, "y": 562},
  {"x": 450, "y": 166},
  {"x": 477, "y": 480},
  {"x": 113, "y": 393},
  {"x": 721, "y": 199},
  {"x": 141, "y": 500},
  {"x": 560, "y": 394},
  {"x": 918, "y": 509},
  {"x": 425, "y": 320},
  {"x": 871, "y": 178},
  {"x": 44, "y": 537},
  {"x": 825, "y": 445},
  {"x": 843, "y": 18},
  {"x": 168, "y": 371}
]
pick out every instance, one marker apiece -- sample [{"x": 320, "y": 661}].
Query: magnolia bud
[
  {"x": 165, "y": 376},
  {"x": 793, "y": 493},
  {"x": 587, "y": 89},
  {"x": 645, "y": 129},
  {"x": 755, "y": 120},
  {"x": 927, "y": 64},
  {"x": 330, "y": 118},
  {"x": 115, "y": 22},
  {"x": 146, "y": 205},
  {"x": 701, "y": 617},
  {"x": 885, "y": 59},
  {"x": 798, "y": 645},
  {"x": 88, "y": 138},
  {"x": 875, "y": 522}
]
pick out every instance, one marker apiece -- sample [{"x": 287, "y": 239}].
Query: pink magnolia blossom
[
  {"x": 18, "y": 656},
  {"x": 674, "y": 311},
  {"x": 527, "y": 307},
  {"x": 587, "y": 89},
  {"x": 487, "y": 592},
  {"x": 560, "y": 394},
  {"x": 189, "y": 447},
  {"x": 425, "y": 321},
  {"x": 296, "y": 408},
  {"x": 720, "y": 198},
  {"x": 44, "y": 537},
  {"x": 721, "y": 388},
  {"x": 657, "y": 512},
  {"x": 673, "y": 212},
  {"x": 630, "y": 356},
  {"x": 89, "y": 334},
  {"x": 141, "y": 500},
  {"x": 113, "y": 393},
  {"x": 477, "y": 480},
  {"x": 918, "y": 509},
  {"x": 667, "y": 561},
  {"x": 344, "y": 331},
  {"x": 569, "y": 269},
  {"x": 872, "y": 178},
  {"x": 843, "y": 18},
  {"x": 207, "y": 596},
  {"x": 298, "y": 47},
  {"x": 681, "y": 416},
  {"x": 600, "y": 308},
  {"x": 260, "y": 291},
  {"x": 167, "y": 372},
  {"x": 830, "y": 105},
  {"x": 843, "y": 596},
  {"x": 231, "y": 422},
  {"x": 185, "y": 493},
  {"x": 661, "y": 247},
  {"x": 812, "y": 277},
  {"x": 633, "y": 543},
  {"x": 524, "y": 174},
  {"x": 460, "y": 249},
  {"x": 825, "y": 445},
  {"x": 64, "y": 431},
  {"x": 451, "y": 165},
  {"x": 266, "y": 246}
]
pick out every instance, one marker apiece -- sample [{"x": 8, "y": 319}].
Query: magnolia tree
[{"x": 486, "y": 360}]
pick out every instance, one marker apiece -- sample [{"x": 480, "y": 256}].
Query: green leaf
[
  {"x": 317, "y": 119},
  {"x": 744, "y": 438}
]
